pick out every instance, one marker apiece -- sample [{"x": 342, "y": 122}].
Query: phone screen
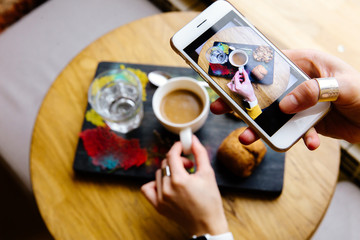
[{"x": 247, "y": 68}]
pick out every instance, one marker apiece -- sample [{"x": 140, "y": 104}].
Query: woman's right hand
[
  {"x": 343, "y": 121},
  {"x": 241, "y": 85}
]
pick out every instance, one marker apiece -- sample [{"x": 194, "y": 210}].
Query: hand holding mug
[
  {"x": 191, "y": 200},
  {"x": 241, "y": 84}
]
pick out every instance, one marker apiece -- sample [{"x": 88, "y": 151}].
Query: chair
[{"x": 34, "y": 50}]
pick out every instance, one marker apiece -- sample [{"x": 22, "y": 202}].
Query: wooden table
[{"x": 75, "y": 208}]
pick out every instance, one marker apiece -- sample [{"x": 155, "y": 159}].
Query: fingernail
[
  {"x": 309, "y": 143},
  {"x": 289, "y": 103}
]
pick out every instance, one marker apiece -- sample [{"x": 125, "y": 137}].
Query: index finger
[
  {"x": 248, "y": 136},
  {"x": 219, "y": 107},
  {"x": 307, "y": 60},
  {"x": 237, "y": 82}
]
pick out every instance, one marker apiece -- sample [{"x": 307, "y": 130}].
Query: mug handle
[{"x": 186, "y": 140}]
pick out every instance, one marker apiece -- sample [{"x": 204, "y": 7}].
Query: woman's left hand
[{"x": 191, "y": 200}]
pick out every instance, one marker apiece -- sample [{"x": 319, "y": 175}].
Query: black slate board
[{"x": 267, "y": 178}]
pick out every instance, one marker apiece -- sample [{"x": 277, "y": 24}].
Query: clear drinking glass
[
  {"x": 216, "y": 55},
  {"x": 116, "y": 95}
]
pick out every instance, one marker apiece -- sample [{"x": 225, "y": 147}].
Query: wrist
[
  {"x": 251, "y": 98},
  {"x": 223, "y": 236},
  {"x": 212, "y": 226},
  {"x": 253, "y": 103},
  {"x": 250, "y": 104}
]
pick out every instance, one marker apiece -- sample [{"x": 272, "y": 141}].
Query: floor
[
  {"x": 19, "y": 216},
  {"x": 342, "y": 219},
  {"x": 13, "y": 10}
]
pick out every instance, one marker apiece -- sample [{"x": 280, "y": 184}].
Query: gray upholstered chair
[{"x": 34, "y": 50}]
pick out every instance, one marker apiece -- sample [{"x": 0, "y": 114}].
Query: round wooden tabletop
[{"x": 78, "y": 208}]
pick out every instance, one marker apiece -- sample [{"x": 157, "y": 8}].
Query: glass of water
[
  {"x": 116, "y": 95},
  {"x": 216, "y": 55}
]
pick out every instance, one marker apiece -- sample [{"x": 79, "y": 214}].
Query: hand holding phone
[
  {"x": 343, "y": 120},
  {"x": 241, "y": 85},
  {"x": 270, "y": 74}
]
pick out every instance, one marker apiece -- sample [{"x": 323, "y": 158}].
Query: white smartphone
[{"x": 247, "y": 71}]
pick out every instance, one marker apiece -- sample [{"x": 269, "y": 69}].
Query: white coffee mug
[
  {"x": 185, "y": 130},
  {"x": 242, "y": 54}
]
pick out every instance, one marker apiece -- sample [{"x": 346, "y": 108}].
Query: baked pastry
[
  {"x": 259, "y": 72},
  {"x": 263, "y": 54},
  {"x": 240, "y": 159}
]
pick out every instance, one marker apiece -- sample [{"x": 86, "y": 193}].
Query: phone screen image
[{"x": 247, "y": 68}]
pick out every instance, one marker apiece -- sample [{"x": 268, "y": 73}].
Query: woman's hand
[
  {"x": 191, "y": 200},
  {"x": 241, "y": 85},
  {"x": 343, "y": 121}
]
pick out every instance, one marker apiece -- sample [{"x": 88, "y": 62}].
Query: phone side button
[
  {"x": 197, "y": 71},
  {"x": 192, "y": 66},
  {"x": 188, "y": 63}
]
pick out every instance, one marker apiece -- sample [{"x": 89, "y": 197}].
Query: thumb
[{"x": 302, "y": 97}]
